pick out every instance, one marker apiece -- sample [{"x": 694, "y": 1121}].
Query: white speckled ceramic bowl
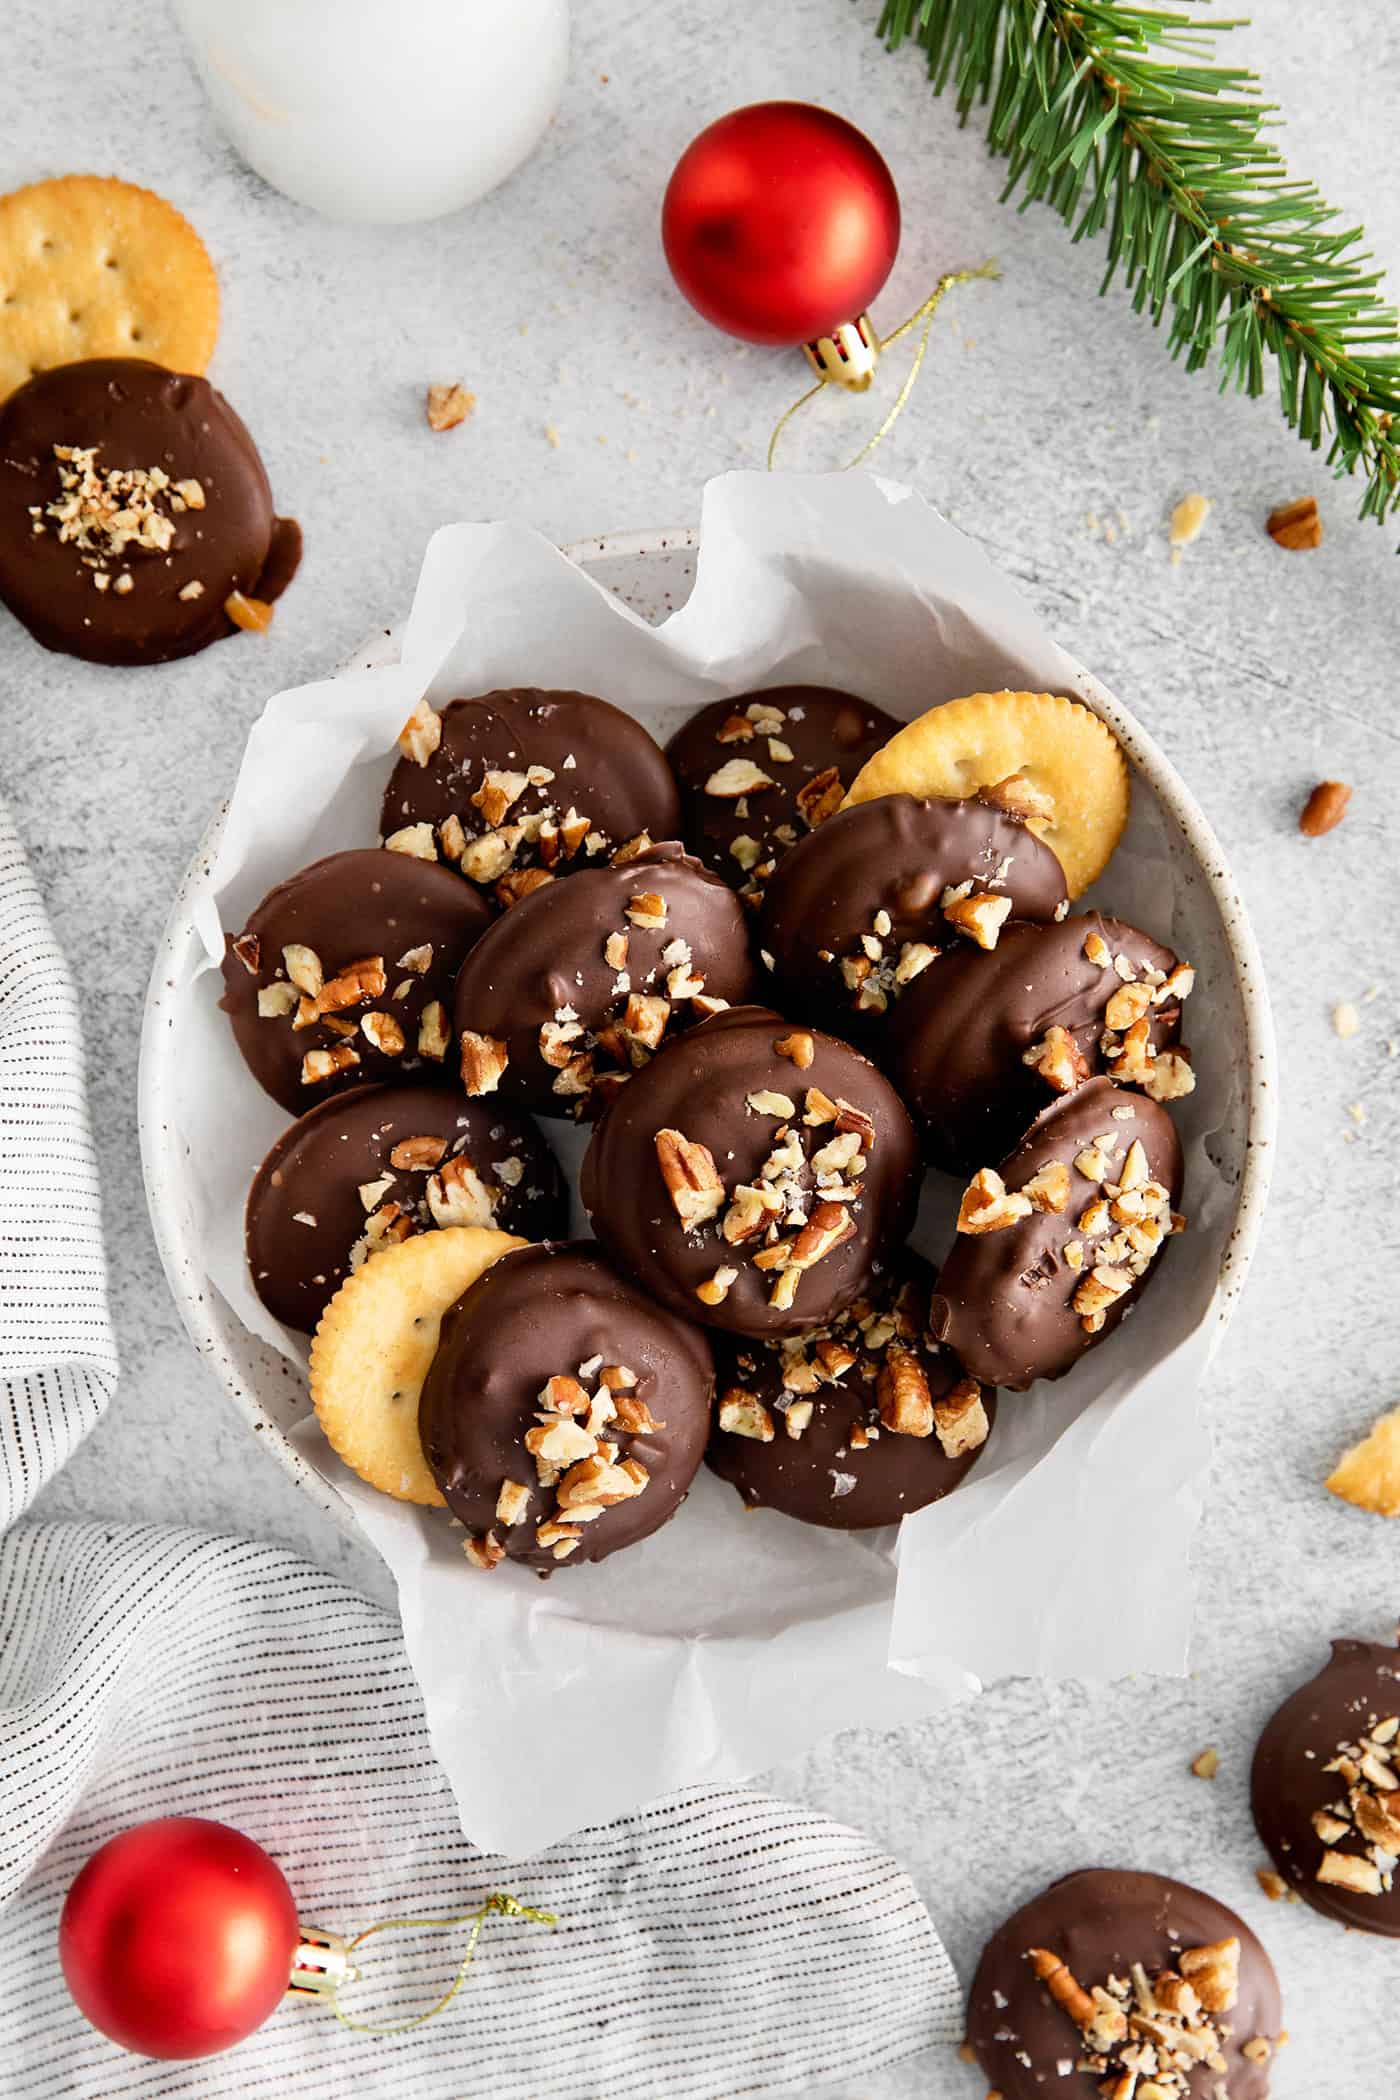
[{"x": 653, "y": 572}]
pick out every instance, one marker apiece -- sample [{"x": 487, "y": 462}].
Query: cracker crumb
[
  {"x": 1188, "y": 518},
  {"x": 1345, "y": 1019},
  {"x": 1207, "y": 1764}
]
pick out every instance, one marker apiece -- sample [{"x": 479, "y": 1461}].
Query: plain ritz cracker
[
  {"x": 1069, "y": 759},
  {"x": 375, "y": 1343},
  {"x": 94, "y": 267}
]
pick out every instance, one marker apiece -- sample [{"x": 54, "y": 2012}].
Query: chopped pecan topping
[
  {"x": 457, "y": 1195},
  {"x": 982, "y": 915},
  {"x": 512, "y": 1503},
  {"x": 1019, "y": 796},
  {"x": 417, "y": 1153},
  {"x": 324, "y": 1064},
  {"x": 303, "y": 966},
  {"x": 715, "y": 1289},
  {"x": 421, "y": 734},
  {"x": 277, "y": 1000},
  {"x": 738, "y": 777},
  {"x": 484, "y": 1059},
  {"x": 988, "y": 1205},
  {"x": 902, "y": 1393},
  {"x": 742, "y": 1413},
  {"x": 383, "y": 1032},
  {"x": 487, "y": 1552},
  {"x": 1058, "y": 1059},
  {"x": 691, "y": 1177},
  {"x": 416, "y": 840},
  {"x": 800, "y": 1046},
  {"x": 1049, "y": 1190},
  {"x": 647, "y": 909},
  {"x": 960, "y": 1419},
  {"x": 520, "y": 882},
  {"x": 820, "y": 797},
  {"x": 433, "y": 1037}
]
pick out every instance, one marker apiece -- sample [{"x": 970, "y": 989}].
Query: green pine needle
[{"x": 1118, "y": 118}]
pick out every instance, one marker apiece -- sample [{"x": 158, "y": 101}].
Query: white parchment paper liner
[{"x": 728, "y": 1641}]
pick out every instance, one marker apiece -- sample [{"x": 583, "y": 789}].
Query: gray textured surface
[{"x": 1041, "y": 408}]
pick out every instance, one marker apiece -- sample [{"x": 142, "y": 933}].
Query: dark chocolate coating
[
  {"x": 700, "y": 1085},
  {"x": 955, "y": 1043},
  {"x": 896, "y": 855},
  {"x": 305, "y": 1213},
  {"x": 818, "y": 1477},
  {"x": 540, "y": 1313},
  {"x": 823, "y": 729},
  {"x": 348, "y": 907},
  {"x": 1289, "y": 1783},
  {"x": 605, "y": 766},
  {"x": 1004, "y": 1299},
  {"x": 544, "y": 963},
  {"x": 1099, "y": 1922},
  {"x": 138, "y": 416}
]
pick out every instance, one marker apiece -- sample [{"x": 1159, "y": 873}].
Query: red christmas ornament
[
  {"x": 780, "y": 224},
  {"x": 178, "y": 1937}
]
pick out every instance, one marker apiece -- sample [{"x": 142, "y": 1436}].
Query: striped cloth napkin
[
  {"x": 714, "y": 1944},
  {"x": 58, "y": 1361}
]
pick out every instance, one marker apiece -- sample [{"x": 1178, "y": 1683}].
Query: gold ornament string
[
  {"x": 498, "y": 1904},
  {"x": 924, "y": 313}
]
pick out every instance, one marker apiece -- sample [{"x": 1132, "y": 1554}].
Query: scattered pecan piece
[
  {"x": 1324, "y": 809},
  {"x": 449, "y": 405},
  {"x": 1296, "y": 525}
]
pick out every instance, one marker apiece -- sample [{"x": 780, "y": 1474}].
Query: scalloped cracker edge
[
  {"x": 1060, "y": 745},
  {"x": 372, "y": 1348}
]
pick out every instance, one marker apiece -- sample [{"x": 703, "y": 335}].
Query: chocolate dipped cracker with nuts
[
  {"x": 522, "y": 787},
  {"x": 752, "y": 1174},
  {"x": 988, "y": 1036},
  {"x": 373, "y": 1167},
  {"x": 564, "y": 1415},
  {"x": 1121, "y": 1986},
  {"x": 758, "y": 772},
  {"x": 1325, "y": 1788},
  {"x": 136, "y": 520},
  {"x": 576, "y": 990},
  {"x": 858, "y": 909},
  {"x": 344, "y": 974},
  {"x": 1055, "y": 1244},
  {"x": 854, "y": 1424}
]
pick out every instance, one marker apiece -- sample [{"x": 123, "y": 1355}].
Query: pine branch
[{"x": 1118, "y": 118}]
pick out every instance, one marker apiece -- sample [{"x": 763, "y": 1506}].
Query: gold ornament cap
[
  {"x": 848, "y": 356},
  {"x": 320, "y": 1965}
]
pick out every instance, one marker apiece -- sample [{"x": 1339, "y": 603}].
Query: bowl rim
[{"x": 197, "y": 1301}]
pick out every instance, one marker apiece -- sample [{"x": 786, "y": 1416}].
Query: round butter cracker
[
  {"x": 94, "y": 267},
  {"x": 375, "y": 1341},
  {"x": 1058, "y": 745}
]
